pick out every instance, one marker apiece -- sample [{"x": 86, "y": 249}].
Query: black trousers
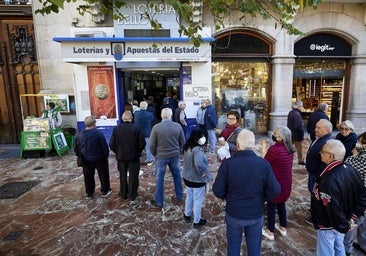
[
  {"x": 102, "y": 168},
  {"x": 129, "y": 189}
]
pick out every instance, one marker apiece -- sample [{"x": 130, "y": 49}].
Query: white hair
[
  {"x": 336, "y": 147},
  {"x": 166, "y": 113},
  {"x": 143, "y": 105},
  {"x": 245, "y": 139}
]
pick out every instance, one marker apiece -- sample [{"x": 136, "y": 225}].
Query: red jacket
[{"x": 281, "y": 162}]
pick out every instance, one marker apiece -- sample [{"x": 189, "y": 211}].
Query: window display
[{"x": 242, "y": 86}]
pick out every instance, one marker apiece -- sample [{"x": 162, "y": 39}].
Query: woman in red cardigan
[{"x": 280, "y": 156}]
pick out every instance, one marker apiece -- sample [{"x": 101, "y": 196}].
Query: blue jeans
[
  {"x": 194, "y": 200},
  {"x": 253, "y": 235},
  {"x": 160, "y": 168},
  {"x": 271, "y": 215},
  {"x": 329, "y": 242},
  {"x": 360, "y": 231},
  {"x": 212, "y": 139},
  {"x": 149, "y": 157}
]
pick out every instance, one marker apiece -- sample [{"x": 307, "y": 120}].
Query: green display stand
[
  {"x": 59, "y": 141},
  {"x": 35, "y": 141}
]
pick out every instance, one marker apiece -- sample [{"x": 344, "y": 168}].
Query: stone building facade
[{"x": 256, "y": 67}]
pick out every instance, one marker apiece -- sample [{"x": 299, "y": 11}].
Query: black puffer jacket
[{"x": 338, "y": 194}]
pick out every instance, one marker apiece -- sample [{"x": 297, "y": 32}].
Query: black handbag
[{"x": 79, "y": 160}]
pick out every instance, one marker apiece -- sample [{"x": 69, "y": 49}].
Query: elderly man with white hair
[
  {"x": 245, "y": 181},
  {"x": 338, "y": 199},
  {"x": 166, "y": 141}
]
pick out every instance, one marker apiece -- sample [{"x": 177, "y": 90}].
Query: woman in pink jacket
[{"x": 280, "y": 156}]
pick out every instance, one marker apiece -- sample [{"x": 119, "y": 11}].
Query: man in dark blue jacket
[
  {"x": 314, "y": 117},
  {"x": 245, "y": 181},
  {"x": 127, "y": 142},
  {"x": 295, "y": 124},
  {"x": 314, "y": 164},
  {"x": 144, "y": 119},
  {"x": 210, "y": 124},
  {"x": 93, "y": 147}
]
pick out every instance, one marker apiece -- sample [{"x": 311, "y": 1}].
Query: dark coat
[
  {"x": 281, "y": 162},
  {"x": 295, "y": 124},
  {"x": 314, "y": 165},
  {"x": 245, "y": 181},
  {"x": 210, "y": 118},
  {"x": 339, "y": 194},
  {"x": 313, "y": 119},
  {"x": 144, "y": 120},
  {"x": 93, "y": 145},
  {"x": 349, "y": 142},
  {"x": 127, "y": 142}
]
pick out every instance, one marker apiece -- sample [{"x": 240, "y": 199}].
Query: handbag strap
[{"x": 79, "y": 145}]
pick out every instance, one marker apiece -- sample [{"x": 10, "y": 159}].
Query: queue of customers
[{"x": 248, "y": 184}]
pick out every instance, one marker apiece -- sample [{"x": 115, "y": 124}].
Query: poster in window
[
  {"x": 61, "y": 101},
  {"x": 101, "y": 91}
]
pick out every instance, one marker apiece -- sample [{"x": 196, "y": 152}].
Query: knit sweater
[{"x": 166, "y": 139}]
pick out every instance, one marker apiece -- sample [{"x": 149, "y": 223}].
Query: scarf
[{"x": 229, "y": 129}]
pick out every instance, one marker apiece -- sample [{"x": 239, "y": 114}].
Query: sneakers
[
  {"x": 154, "y": 203},
  {"x": 309, "y": 221},
  {"x": 149, "y": 163},
  {"x": 281, "y": 229},
  {"x": 268, "y": 234},
  {"x": 106, "y": 194},
  {"x": 186, "y": 218},
  {"x": 301, "y": 163},
  {"x": 199, "y": 224},
  {"x": 88, "y": 197}
]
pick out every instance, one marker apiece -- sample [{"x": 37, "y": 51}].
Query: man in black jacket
[
  {"x": 339, "y": 198},
  {"x": 314, "y": 117},
  {"x": 295, "y": 124},
  {"x": 127, "y": 142}
]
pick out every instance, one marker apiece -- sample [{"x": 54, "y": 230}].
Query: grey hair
[
  {"x": 337, "y": 148},
  {"x": 349, "y": 124},
  {"x": 285, "y": 134},
  {"x": 181, "y": 103},
  {"x": 127, "y": 116},
  {"x": 143, "y": 105},
  {"x": 328, "y": 124},
  {"x": 246, "y": 139},
  {"x": 166, "y": 113},
  {"x": 297, "y": 104},
  {"x": 323, "y": 107}
]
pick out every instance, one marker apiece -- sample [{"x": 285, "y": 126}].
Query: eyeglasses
[
  {"x": 325, "y": 152},
  {"x": 345, "y": 129}
]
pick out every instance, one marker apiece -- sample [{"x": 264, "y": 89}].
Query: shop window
[
  {"x": 242, "y": 86},
  {"x": 320, "y": 81}
]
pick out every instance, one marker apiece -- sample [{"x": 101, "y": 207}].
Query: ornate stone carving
[{"x": 23, "y": 49}]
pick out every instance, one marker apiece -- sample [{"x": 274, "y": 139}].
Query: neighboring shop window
[
  {"x": 320, "y": 81},
  {"x": 242, "y": 86}
]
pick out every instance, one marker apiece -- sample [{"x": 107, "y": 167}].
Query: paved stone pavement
[{"x": 55, "y": 218}]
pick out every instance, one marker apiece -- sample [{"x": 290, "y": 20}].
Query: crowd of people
[{"x": 248, "y": 184}]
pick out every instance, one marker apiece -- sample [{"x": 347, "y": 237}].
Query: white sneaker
[
  {"x": 281, "y": 229},
  {"x": 268, "y": 234}
]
